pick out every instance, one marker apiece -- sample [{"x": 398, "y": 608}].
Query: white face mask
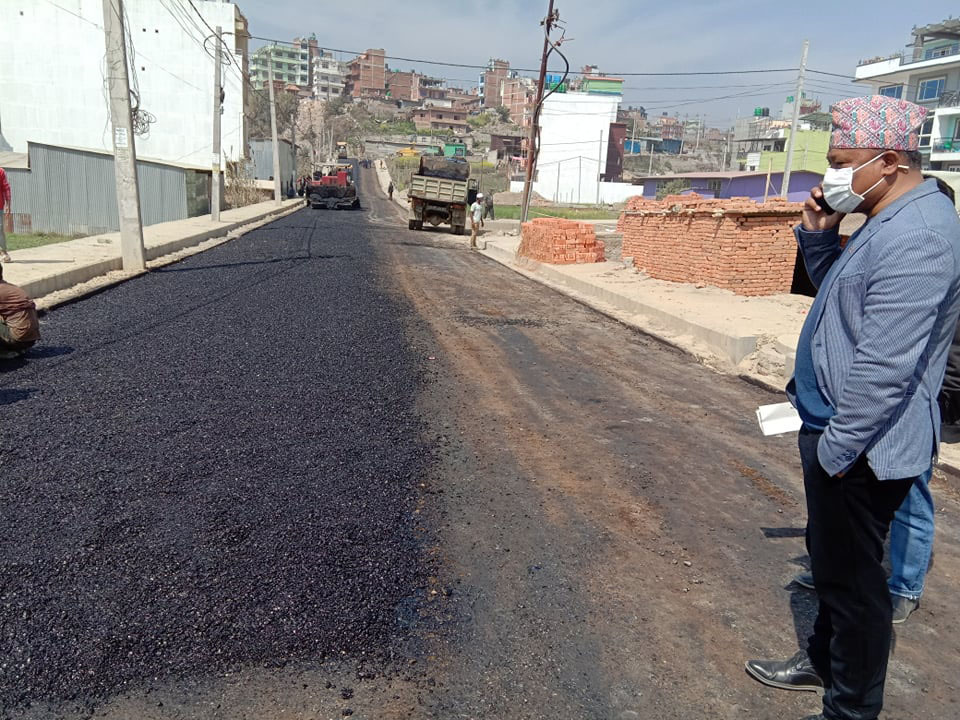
[{"x": 838, "y": 187}]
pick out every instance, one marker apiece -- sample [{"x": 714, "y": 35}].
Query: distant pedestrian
[
  {"x": 476, "y": 219},
  {"x": 488, "y": 207},
  {"x": 19, "y": 327},
  {"x": 870, "y": 361},
  {"x": 390, "y": 190},
  {"x": 5, "y": 209}
]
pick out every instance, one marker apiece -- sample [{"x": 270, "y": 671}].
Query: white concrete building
[
  {"x": 329, "y": 76},
  {"x": 58, "y": 98},
  {"x": 574, "y": 133},
  {"x": 928, "y": 73}
]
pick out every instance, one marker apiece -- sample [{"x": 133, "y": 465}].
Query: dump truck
[
  {"x": 333, "y": 189},
  {"x": 441, "y": 192}
]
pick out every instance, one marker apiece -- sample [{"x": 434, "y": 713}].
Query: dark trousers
[{"x": 848, "y": 520}]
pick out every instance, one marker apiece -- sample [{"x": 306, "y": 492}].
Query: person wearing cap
[
  {"x": 869, "y": 364},
  {"x": 476, "y": 218}
]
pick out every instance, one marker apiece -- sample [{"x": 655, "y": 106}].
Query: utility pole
[
  {"x": 650, "y": 169},
  {"x": 273, "y": 133},
  {"x": 124, "y": 148},
  {"x": 785, "y": 185},
  {"x": 532, "y": 138},
  {"x": 599, "y": 166},
  {"x": 293, "y": 134},
  {"x": 217, "y": 102}
]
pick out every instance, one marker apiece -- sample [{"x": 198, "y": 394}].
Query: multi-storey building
[
  {"x": 329, "y": 76},
  {"x": 927, "y": 73},
  {"x": 491, "y": 91},
  {"x": 436, "y": 118},
  {"x": 518, "y": 95},
  {"x": 291, "y": 65},
  {"x": 415, "y": 88},
  {"x": 366, "y": 75}
]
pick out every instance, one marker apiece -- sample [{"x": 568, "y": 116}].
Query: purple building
[{"x": 734, "y": 184}]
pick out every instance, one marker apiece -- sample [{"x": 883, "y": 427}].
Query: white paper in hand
[{"x": 778, "y": 419}]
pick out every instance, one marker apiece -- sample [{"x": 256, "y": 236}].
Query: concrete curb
[
  {"x": 732, "y": 348},
  {"x": 94, "y": 269}
]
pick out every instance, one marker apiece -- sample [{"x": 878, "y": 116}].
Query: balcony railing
[
  {"x": 949, "y": 99},
  {"x": 907, "y": 58},
  {"x": 947, "y": 146}
]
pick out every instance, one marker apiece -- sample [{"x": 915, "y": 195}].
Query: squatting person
[
  {"x": 19, "y": 327},
  {"x": 870, "y": 363}
]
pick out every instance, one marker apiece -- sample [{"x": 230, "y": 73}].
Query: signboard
[{"x": 120, "y": 138}]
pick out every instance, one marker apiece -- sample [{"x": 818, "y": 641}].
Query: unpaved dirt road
[{"x": 459, "y": 494}]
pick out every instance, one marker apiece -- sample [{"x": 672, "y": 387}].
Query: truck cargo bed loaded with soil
[{"x": 440, "y": 193}]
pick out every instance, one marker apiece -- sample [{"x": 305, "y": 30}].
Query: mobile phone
[{"x": 827, "y": 210}]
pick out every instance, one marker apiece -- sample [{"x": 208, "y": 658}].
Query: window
[
  {"x": 925, "y": 131},
  {"x": 930, "y": 89},
  {"x": 715, "y": 186},
  {"x": 894, "y": 91}
]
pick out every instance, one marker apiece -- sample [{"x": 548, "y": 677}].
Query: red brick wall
[
  {"x": 732, "y": 243},
  {"x": 560, "y": 242}
]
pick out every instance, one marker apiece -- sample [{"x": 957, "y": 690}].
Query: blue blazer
[{"x": 887, "y": 317}]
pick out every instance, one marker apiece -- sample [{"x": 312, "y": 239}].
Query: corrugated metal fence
[{"x": 73, "y": 192}]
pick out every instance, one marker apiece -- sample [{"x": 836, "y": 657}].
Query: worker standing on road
[
  {"x": 390, "y": 190},
  {"x": 19, "y": 327},
  {"x": 476, "y": 219},
  {"x": 870, "y": 362},
  {"x": 4, "y": 211},
  {"x": 488, "y": 207}
]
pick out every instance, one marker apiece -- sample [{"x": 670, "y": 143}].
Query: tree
[
  {"x": 673, "y": 187},
  {"x": 259, "y": 115},
  {"x": 503, "y": 113}
]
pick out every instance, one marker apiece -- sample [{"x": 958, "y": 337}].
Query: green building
[
  {"x": 291, "y": 64},
  {"x": 809, "y": 153},
  {"x": 600, "y": 85}
]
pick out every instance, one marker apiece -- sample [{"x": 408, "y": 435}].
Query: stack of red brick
[
  {"x": 731, "y": 243},
  {"x": 560, "y": 242}
]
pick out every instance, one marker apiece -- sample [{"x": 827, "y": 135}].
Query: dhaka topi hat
[{"x": 876, "y": 122}]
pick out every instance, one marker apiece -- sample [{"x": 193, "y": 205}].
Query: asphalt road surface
[{"x": 337, "y": 468}]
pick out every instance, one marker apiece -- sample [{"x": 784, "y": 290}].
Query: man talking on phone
[{"x": 870, "y": 362}]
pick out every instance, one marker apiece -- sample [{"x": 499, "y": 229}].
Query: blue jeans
[{"x": 911, "y": 540}]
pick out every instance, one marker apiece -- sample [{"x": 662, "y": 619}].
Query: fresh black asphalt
[{"x": 213, "y": 465}]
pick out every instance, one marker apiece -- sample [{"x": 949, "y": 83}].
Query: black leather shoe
[{"x": 797, "y": 673}]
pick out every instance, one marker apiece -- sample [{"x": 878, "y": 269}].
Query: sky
[{"x": 621, "y": 36}]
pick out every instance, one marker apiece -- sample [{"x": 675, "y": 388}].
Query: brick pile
[
  {"x": 731, "y": 243},
  {"x": 560, "y": 242}
]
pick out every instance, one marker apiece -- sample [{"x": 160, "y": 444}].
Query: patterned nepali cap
[{"x": 876, "y": 122}]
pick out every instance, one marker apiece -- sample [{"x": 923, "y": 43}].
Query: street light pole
[
  {"x": 124, "y": 147},
  {"x": 215, "y": 166},
  {"x": 785, "y": 185},
  {"x": 273, "y": 135}
]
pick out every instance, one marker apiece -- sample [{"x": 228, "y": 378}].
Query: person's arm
[
  {"x": 902, "y": 297},
  {"x": 819, "y": 237}
]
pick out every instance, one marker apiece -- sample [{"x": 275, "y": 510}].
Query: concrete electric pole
[
  {"x": 797, "y": 99},
  {"x": 273, "y": 134},
  {"x": 217, "y": 102},
  {"x": 124, "y": 149},
  {"x": 532, "y": 138}
]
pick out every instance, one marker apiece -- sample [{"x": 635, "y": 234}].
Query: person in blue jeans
[{"x": 911, "y": 547}]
